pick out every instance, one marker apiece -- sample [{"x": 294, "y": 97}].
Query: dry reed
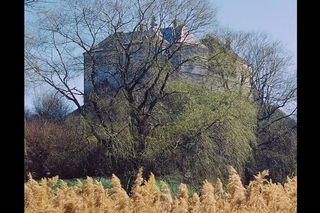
[{"x": 261, "y": 195}]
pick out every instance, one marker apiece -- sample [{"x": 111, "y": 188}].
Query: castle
[{"x": 124, "y": 56}]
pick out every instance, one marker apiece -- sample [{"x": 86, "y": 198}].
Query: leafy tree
[
  {"x": 273, "y": 79},
  {"x": 209, "y": 130},
  {"x": 149, "y": 118},
  {"x": 73, "y": 27},
  {"x": 227, "y": 70},
  {"x": 274, "y": 91},
  {"x": 277, "y": 149}
]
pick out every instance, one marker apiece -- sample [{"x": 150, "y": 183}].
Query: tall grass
[{"x": 261, "y": 195}]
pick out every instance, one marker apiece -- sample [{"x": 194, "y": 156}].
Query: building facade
[{"x": 122, "y": 56}]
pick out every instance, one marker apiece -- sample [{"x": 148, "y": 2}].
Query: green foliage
[
  {"x": 277, "y": 148},
  {"x": 208, "y": 131},
  {"x": 190, "y": 130},
  {"x": 194, "y": 133},
  {"x": 224, "y": 67}
]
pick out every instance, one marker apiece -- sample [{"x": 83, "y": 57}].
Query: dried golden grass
[{"x": 260, "y": 196}]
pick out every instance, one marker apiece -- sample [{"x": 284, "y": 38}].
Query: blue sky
[{"x": 278, "y": 18}]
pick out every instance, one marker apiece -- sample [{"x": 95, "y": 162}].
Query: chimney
[
  {"x": 153, "y": 22},
  {"x": 176, "y": 23}
]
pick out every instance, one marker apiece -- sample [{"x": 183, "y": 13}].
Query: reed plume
[{"x": 261, "y": 195}]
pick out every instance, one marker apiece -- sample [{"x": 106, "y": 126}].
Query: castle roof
[{"x": 175, "y": 33}]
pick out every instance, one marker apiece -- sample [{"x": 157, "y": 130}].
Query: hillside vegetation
[{"x": 194, "y": 134}]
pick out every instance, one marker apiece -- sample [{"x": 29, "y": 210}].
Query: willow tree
[
  {"x": 68, "y": 29},
  {"x": 273, "y": 76},
  {"x": 206, "y": 131},
  {"x": 274, "y": 91}
]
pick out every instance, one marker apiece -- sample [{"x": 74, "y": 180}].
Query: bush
[{"x": 59, "y": 149}]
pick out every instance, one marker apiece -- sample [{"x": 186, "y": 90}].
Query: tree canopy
[{"x": 156, "y": 118}]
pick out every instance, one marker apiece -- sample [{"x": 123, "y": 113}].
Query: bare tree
[
  {"x": 29, "y": 2},
  {"x": 273, "y": 77},
  {"x": 73, "y": 29},
  {"x": 51, "y": 106},
  {"x": 274, "y": 91},
  {"x": 36, "y": 5}
]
